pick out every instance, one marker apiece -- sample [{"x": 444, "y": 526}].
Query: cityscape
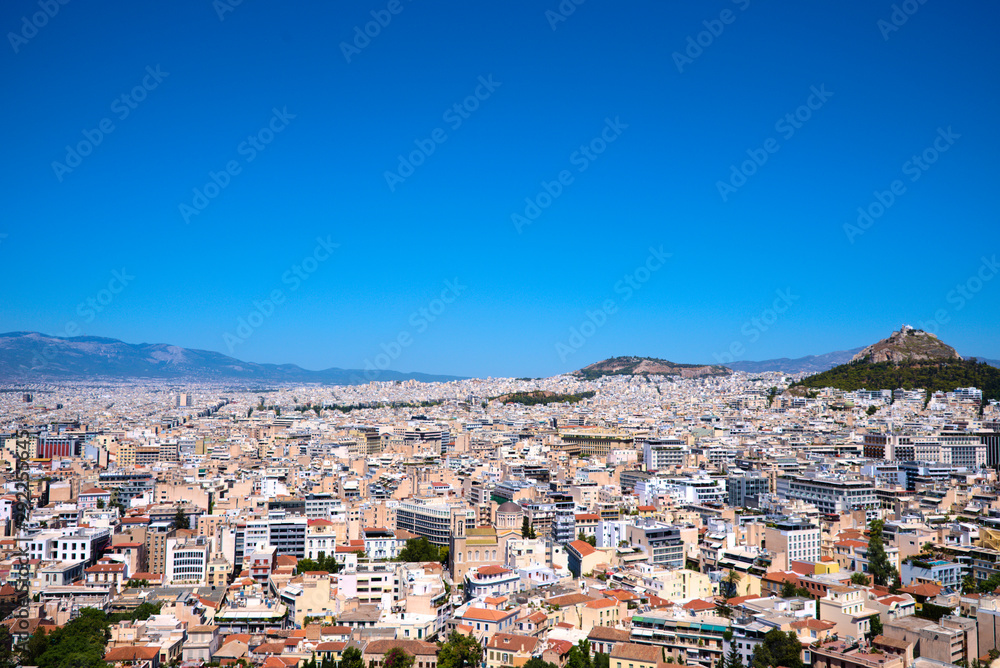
[{"x": 558, "y": 334}]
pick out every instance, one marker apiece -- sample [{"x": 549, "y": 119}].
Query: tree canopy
[
  {"x": 778, "y": 649},
  {"x": 397, "y": 657},
  {"x": 351, "y": 658},
  {"x": 878, "y": 561},
  {"x": 419, "y": 549},
  {"x": 460, "y": 651}
]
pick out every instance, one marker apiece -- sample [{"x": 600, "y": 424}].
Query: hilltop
[
  {"x": 908, "y": 359},
  {"x": 908, "y": 346},
  {"x": 648, "y": 366}
]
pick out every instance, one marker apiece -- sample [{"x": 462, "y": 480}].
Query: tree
[
  {"x": 859, "y": 579},
  {"x": 397, "y": 658},
  {"x": 351, "y": 658},
  {"x": 878, "y": 561},
  {"x": 419, "y": 549},
  {"x": 733, "y": 660},
  {"x": 733, "y": 583},
  {"x": 590, "y": 540},
  {"x": 78, "y": 644},
  {"x": 527, "y": 531},
  {"x": 181, "y": 520},
  {"x": 34, "y": 647},
  {"x": 790, "y": 590},
  {"x": 778, "y": 649},
  {"x": 535, "y": 662},
  {"x": 875, "y": 627},
  {"x": 460, "y": 651},
  {"x": 871, "y": 410}
]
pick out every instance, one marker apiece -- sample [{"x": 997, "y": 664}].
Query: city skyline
[{"x": 500, "y": 190}]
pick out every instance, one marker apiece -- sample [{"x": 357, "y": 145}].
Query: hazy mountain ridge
[
  {"x": 807, "y": 364},
  {"x": 648, "y": 366},
  {"x": 33, "y": 356}
]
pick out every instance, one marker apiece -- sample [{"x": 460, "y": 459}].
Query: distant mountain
[
  {"x": 909, "y": 358},
  {"x": 807, "y": 364},
  {"x": 30, "y": 356},
  {"x": 648, "y": 366}
]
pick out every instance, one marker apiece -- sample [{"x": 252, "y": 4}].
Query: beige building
[
  {"x": 845, "y": 606},
  {"x": 631, "y": 655},
  {"x": 952, "y": 640}
]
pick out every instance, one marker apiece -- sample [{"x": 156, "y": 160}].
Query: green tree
[
  {"x": 351, "y": 658},
  {"x": 460, "y": 651},
  {"x": 78, "y": 644},
  {"x": 878, "y": 561},
  {"x": 733, "y": 660},
  {"x": 790, "y": 590},
  {"x": 7, "y": 658},
  {"x": 590, "y": 540},
  {"x": 859, "y": 579},
  {"x": 875, "y": 627},
  {"x": 397, "y": 658},
  {"x": 181, "y": 520},
  {"x": 871, "y": 410},
  {"x": 419, "y": 549},
  {"x": 778, "y": 649},
  {"x": 732, "y": 583},
  {"x": 535, "y": 662},
  {"x": 32, "y": 650},
  {"x": 526, "y": 529}
]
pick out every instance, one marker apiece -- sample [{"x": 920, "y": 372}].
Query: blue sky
[{"x": 641, "y": 137}]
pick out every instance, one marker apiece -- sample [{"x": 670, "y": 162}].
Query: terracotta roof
[
  {"x": 330, "y": 646},
  {"x": 483, "y": 614},
  {"x": 582, "y": 548},
  {"x": 699, "y": 604},
  {"x": 131, "y": 653},
  {"x": 635, "y": 652},
  {"x": 568, "y": 599},
  {"x": 412, "y": 647},
  {"x": 514, "y": 643},
  {"x": 608, "y": 634},
  {"x": 493, "y": 570},
  {"x": 601, "y": 603}
]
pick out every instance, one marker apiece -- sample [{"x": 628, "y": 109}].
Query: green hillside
[{"x": 943, "y": 376}]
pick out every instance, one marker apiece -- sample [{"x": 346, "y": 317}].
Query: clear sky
[{"x": 580, "y": 141}]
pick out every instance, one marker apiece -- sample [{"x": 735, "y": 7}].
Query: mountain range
[{"x": 30, "y": 356}]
